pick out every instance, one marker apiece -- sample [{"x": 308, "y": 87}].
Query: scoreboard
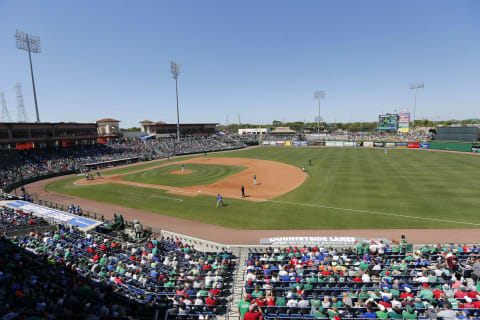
[{"x": 388, "y": 122}]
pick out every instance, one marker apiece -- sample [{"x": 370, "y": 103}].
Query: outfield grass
[
  {"x": 200, "y": 174},
  {"x": 411, "y": 183}
]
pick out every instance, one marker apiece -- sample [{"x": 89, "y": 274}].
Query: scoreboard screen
[{"x": 388, "y": 122}]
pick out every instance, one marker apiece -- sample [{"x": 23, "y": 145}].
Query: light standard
[
  {"x": 318, "y": 95},
  {"x": 175, "y": 70},
  {"x": 415, "y": 86},
  {"x": 30, "y": 43}
]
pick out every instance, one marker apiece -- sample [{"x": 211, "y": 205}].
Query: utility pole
[{"x": 5, "y": 114}]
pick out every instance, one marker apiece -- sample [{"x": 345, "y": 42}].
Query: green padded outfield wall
[{"x": 452, "y": 146}]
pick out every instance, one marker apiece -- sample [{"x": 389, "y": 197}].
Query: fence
[{"x": 84, "y": 213}]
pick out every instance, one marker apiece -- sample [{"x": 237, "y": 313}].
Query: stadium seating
[
  {"x": 160, "y": 272},
  {"x": 346, "y": 283}
]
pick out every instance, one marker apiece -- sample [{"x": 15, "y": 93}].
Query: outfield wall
[{"x": 436, "y": 145}]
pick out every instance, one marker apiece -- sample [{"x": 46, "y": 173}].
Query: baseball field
[{"x": 344, "y": 188}]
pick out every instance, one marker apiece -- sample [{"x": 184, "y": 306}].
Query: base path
[{"x": 273, "y": 179}]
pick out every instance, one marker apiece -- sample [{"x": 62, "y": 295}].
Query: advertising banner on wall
[
  {"x": 390, "y": 144},
  {"x": 424, "y": 145},
  {"x": 476, "y": 147},
  {"x": 305, "y": 143},
  {"x": 287, "y": 143},
  {"x": 403, "y": 145},
  {"x": 280, "y": 143},
  {"x": 348, "y": 144},
  {"x": 334, "y": 143},
  {"x": 368, "y": 144},
  {"x": 413, "y": 145},
  {"x": 404, "y": 130},
  {"x": 378, "y": 144},
  {"x": 316, "y": 240}
]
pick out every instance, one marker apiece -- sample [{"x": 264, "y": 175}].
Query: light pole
[
  {"x": 30, "y": 43},
  {"x": 415, "y": 86},
  {"x": 175, "y": 70},
  {"x": 319, "y": 95}
]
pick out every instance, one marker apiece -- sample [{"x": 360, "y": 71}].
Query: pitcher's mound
[{"x": 181, "y": 172}]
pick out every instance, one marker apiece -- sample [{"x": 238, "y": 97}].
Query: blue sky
[{"x": 260, "y": 59}]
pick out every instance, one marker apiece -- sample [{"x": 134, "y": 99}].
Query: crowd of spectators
[
  {"x": 18, "y": 165},
  {"x": 92, "y": 274},
  {"x": 372, "y": 280},
  {"x": 11, "y": 219}
]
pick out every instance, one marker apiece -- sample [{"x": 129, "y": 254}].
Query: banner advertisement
[
  {"x": 404, "y": 130},
  {"x": 378, "y": 144},
  {"x": 269, "y": 143},
  {"x": 403, "y": 125},
  {"x": 59, "y": 216},
  {"x": 368, "y": 144},
  {"x": 424, "y": 145},
  {"x": 476, "y": 147},
  {"x": 280, "y": 143},
  {"x": 413, "y": 145},
  {"x": 404, "y": 117},
  {"x": 320, "y": 143},
  {"x": 402, "y": 145},
  {"x": 315, "y": 240},
  {"x": 305, "y": 143},
  {"x": 334, "y": 143},
  {"x": 390, "y": 145},
  {"x": 287, "y": 143},
  {"x": 348, "y": 144},
  {"x": 296, "y": 143}
]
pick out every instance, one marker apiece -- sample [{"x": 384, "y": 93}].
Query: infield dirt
[{"x": 273, "y": 179}]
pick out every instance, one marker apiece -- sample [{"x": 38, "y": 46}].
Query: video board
[{"x": 388, "y": 122}]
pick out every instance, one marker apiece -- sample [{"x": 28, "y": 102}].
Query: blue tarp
[{"x": 57, "y": 215}]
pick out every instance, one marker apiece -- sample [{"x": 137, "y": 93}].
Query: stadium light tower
[
  {"x": 30, "y": 43},
  {"x": 319, "y": 95},
  {"x": 175, "y": 70},
  {"x": 415, "y": 86}
]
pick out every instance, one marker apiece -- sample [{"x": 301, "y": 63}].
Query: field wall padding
[{"x": 451, "y": 146}]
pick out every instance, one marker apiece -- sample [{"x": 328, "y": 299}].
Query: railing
[{"x": 84, "y": 213}]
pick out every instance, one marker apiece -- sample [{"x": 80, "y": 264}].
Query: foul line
[
  {"x": 163, "y": 197},
  {"x": 373, "y": 212}
]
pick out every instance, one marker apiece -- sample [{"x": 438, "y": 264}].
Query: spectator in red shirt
[
  {"x": 253, "y": 313},
  {"x": 210, "y": 301},
  {"x": 452, "y": 262}
]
